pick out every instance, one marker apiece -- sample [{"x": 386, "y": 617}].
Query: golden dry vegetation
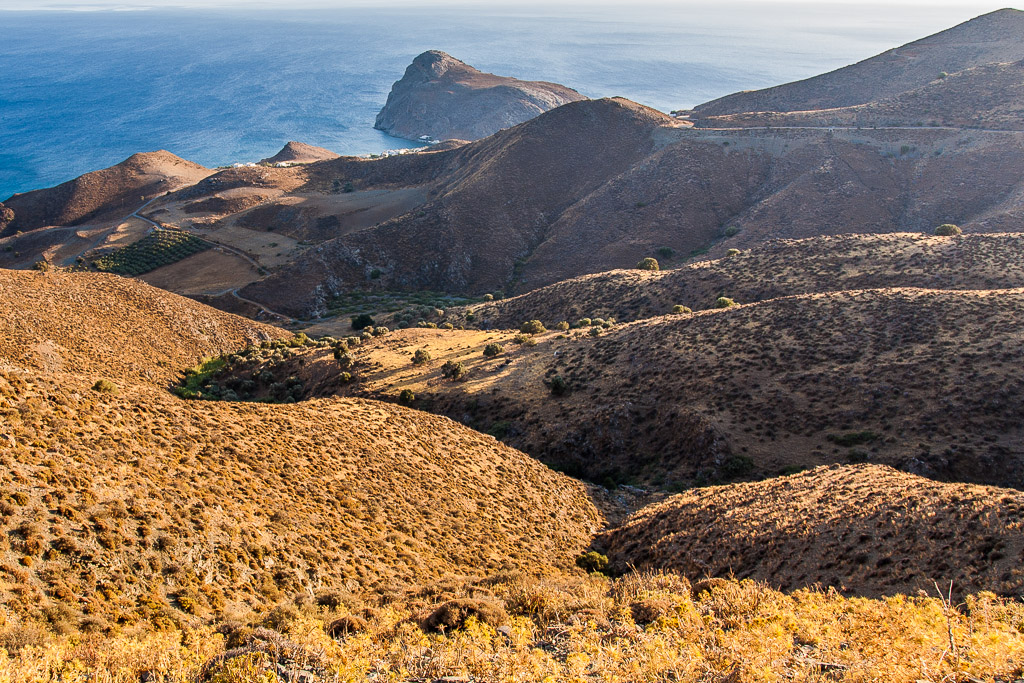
[
  {"x": 508, "y": 627},
  {"x": 151, "y": 538},
  {"x": 122, "y": 504},
  {"x": 864, "y": 530}
]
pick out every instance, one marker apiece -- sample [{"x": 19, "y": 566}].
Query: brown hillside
[
  {"x": 301, "y": 153},
  {"x": 120, "y": 190},
  {"x": 862, "y": 529},
  {"x": 135, "y": 505},
  {"x": 493, "y": 208},
  {"x": 112, "y": 327},
  {"x": 775, "y": 269},
  {"x": 919, "y": 379},
  {"x": 988, "y": 96},
  {"x": 444, "y": 98},
  {"x": 990, "y": 38},
  {"x": 491, "y": 225}
]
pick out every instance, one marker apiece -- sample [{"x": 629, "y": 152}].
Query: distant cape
[{"x": 441, "y": 98}]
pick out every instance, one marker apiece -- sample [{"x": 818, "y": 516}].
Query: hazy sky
[{"x": 973, "y": 6}]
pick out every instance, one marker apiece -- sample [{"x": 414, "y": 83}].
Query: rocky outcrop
[{"x": 441, "y": 98}]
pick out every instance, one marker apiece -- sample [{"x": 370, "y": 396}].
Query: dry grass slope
[
  {"x": 775, "y": 269},
  {"x": 920, "y": 379},
  {"x": 862, "y": 529},
  {"x": 647, "y": 628},
  {"x": 124, "y": 504}
]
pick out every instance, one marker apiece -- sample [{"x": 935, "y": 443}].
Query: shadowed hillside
[
  {"x": 863, "y": 529},
  {"x": 990, "y": 38},
  {"x": 920, "y": 379},
  {"x": 987, "y": 96},
  {"x": 492, "y": 209},
  {"x": 774, "y": 269}
]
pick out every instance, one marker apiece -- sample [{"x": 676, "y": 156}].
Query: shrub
[
  {"x": 347, "y": 625},
  {"x": 533, "y": 327},
  {"x": 737, "y": 465},
  {"x": 454, "y": 614},
  {"x": 488, "y": 297},
  {"x": 421, "y": 356},
  {"x": 558, "y": 386},
  {"x": 105, "y": 386},
  {"x": 731, "y": 231},
  {"x": 492, "y": 350},
  {"x": 665, "y": 252},
  {"x": 362, "y": 320},
  {"x": 733, "y": 252},
  {"x": 380, "y": 331},
  {"x": 648, "y": 264},
  {"x": 583, "y": 322},
  {"x": 595, "y": 331},
  {"x": 592, "y": 562},
  {"x": 678, "y": 308},
  {"x": 375, "y": 274},
  {"x": 344, "y": 360},
  {"x": 852, "y": 438},
  {"x": 43, "y": 266},
  {"x": 564, "y": 325},
  {"x": 948, "y": 230},
  {"x": 724, "y": 302},
  {"x": 406, "y": 398},
  {"x": 453, "y": 370}
]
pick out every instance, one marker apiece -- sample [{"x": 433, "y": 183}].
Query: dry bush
[{"x": 454, "y": 614}]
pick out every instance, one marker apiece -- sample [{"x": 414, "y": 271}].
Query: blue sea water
[{"x": 84, "y": 90}]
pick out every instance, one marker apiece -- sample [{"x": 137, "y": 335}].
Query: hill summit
[{"x": 444, "y": 98}]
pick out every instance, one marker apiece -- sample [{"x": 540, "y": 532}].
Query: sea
[{"x": 83, "y": 90}]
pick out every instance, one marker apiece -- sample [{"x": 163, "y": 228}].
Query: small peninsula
[{"x": 442, "y": 98}]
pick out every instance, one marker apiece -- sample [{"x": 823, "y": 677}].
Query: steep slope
[
  {"x": 990, "y": 38},
  {"x": 774, "y": 269},
  {"x": 119, "y": 189},
  {"x": 488, "y": 212},
  {"x": 988, "y": 96},
  {"x": 862, "y": 529},
  {"x": 127, "y": 504},
  {"x": 300, "y": 153},
  {"x": 444, "y": 98}
]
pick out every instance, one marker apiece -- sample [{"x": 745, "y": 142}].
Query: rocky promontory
[{"x": 440, "y": 97}]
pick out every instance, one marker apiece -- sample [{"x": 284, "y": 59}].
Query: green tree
[
  {"x": 533, "y": 327},
  {"x": 362, "y": 320},
  {"x": 648, "y": 264}
]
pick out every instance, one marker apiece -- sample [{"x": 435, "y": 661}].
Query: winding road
[{"x": 224, "y": 249}]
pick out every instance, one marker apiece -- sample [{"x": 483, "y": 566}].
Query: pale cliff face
[{"x": 445, "y": 98}]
